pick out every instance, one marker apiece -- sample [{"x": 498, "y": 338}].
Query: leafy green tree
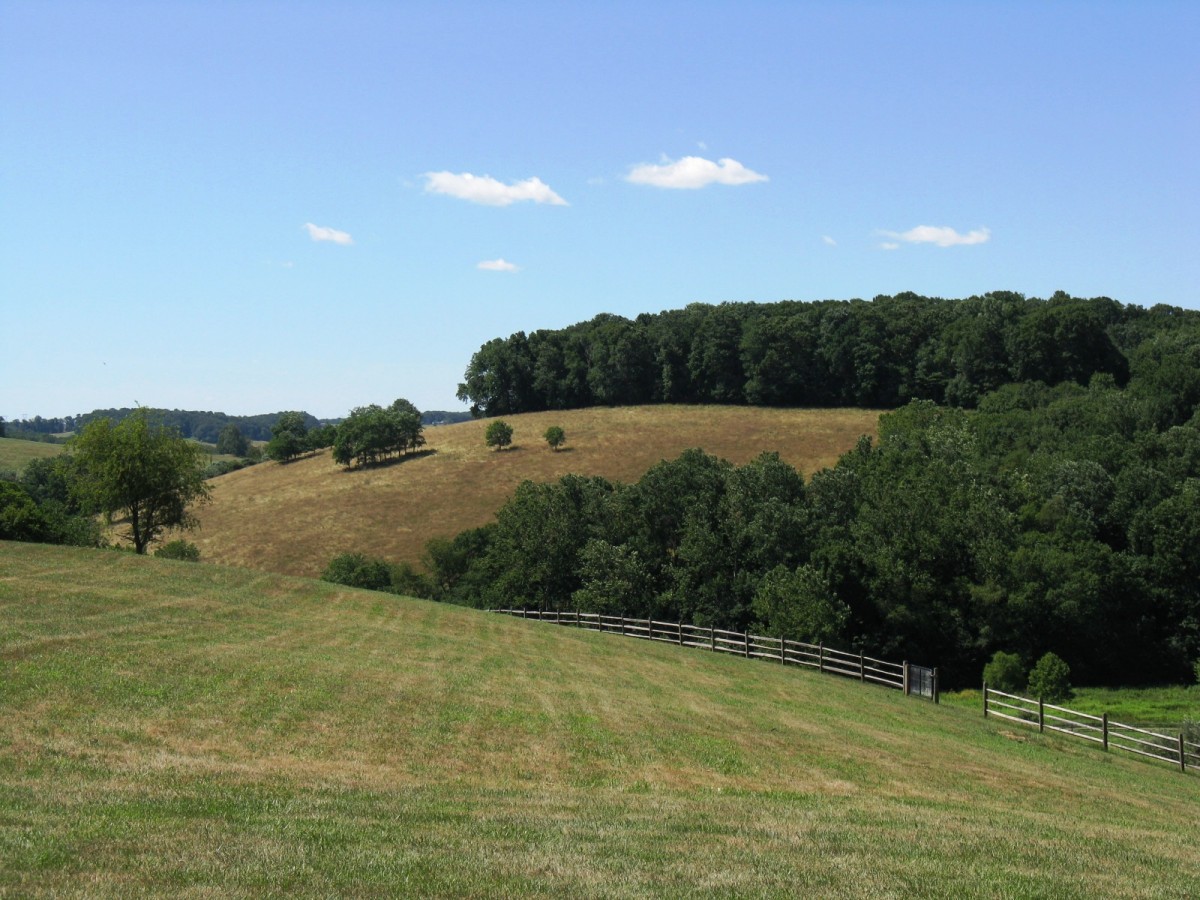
[
  {"x": 499, "y": 434},
  {"x": 21, "y": 519},
  {"x": 555, "y": 437},
  {"x": 1005, "y": 672},
  {"x": 1050, "y": 679},
  {"x": 2, "y": 426},
  {"x": 289, "y": 437},
  {"x": 800, "y": 605},
  {"x": 231, "y": 441},
  {"x": 140, "y": 469}
]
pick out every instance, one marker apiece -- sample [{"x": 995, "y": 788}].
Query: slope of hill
[
  {"x": 294, "y": 518},
  {"x": 190, "y": 729},
  {"x": 14, "y": 453}
]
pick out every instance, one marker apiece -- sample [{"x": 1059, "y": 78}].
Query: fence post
[
  {"x": 622, "y": 624},
  {"x": 747, "y": 639},
  {"x": 782, "y": 657},
  {"x": 558, "y": 617},
  {"x": 680, "y": 634},
  {"x": 1041, "y": 715},
  {"x": 985, "y": 710},
  {"x": 712, "y": 638},
  {"x": 649, "y": 629},
  {"x": 908, "y": 690},
  {"x": 1104, "y": 721},
  {"x": 821, "y": 657},
  {"x": 937, "y": 694},
  {"x": 524, "y": 613},
  {"x": 862, "y": 671},
  {"x": 1182, "y": 757}
]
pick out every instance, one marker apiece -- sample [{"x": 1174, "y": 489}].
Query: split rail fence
[
  {"x": 1173, "y": 749},
  {"x": 915, "y": 680}
]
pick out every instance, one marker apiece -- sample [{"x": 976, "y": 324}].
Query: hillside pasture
[
  {"x": 190, "y": 729},
  {"x": 15, "y": 453},
  {"x": 293, "y": 518}
]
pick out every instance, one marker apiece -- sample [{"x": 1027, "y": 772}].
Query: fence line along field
[
  {"x": 294, "y": 518},
  {"x": 169, "y": 728}
]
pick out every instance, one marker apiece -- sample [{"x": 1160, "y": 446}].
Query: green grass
[
  {"x": 1163, "y": 708},
  {"x": 176, "y": 728},
  {"x": 14, "y": 453}
]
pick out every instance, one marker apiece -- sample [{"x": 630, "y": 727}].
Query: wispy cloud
[
  {"x": 941, "y": 236},
  {"x": 692, "y": 172},
  {"x": 490, "y": 192},
  {"x": 889, "y": 245},
  {"x": 321, "y": 233},
  {"x": 498, "y": 265},
  {"x": 828, "y": 241}
]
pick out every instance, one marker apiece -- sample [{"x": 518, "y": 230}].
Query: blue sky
[{"x": 255, "y": 206}]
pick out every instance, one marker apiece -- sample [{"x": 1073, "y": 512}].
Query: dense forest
[
  {"x": 1037, "y": 489},
  {"x": 882, "y": 353}
]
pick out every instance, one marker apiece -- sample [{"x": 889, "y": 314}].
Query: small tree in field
[
  {"x": 143, "y": 470},
  {"x": 1051, "y": 679},
  {"x": 499, "y": 434},
  {"x": 555, "y": 437},
  {"x": 1005, "y": 672}
]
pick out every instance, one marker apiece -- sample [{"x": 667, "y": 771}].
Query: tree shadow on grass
[{"x": 393, "y": 461}]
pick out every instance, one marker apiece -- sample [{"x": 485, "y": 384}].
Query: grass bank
[{"x": 184, "y": 728}]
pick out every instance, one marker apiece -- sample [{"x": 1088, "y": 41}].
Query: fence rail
[
  {"x": 900, "y": 676},
  {"x": 1111, "y": 735}
]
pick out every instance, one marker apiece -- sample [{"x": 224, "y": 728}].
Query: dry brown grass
[{"x": 294, "y": 518}]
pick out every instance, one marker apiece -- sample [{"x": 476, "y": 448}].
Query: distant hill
[
  {"x": 15, "y": 453},
  {"x": 179, "y": 728},
  {"x": 294, "y": 518}
]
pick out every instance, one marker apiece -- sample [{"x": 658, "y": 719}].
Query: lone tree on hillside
[
  {"x": 499, "y": 434},
  {"x": 141, "y": 469},
  {"x": 555, "y": 437}
]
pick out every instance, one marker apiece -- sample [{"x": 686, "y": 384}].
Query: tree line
[
  {"x": 1051, "y": 519},
  {"x": 881, "y": 353}
]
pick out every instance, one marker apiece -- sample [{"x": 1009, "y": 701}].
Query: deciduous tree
[{"x": 142, "y": 470}]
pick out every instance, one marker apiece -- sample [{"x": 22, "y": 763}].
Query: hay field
[
  {"x": 294, "y": 518},
  {"x": 191, "y": 730},
  {"x": 15, "y": 453}
]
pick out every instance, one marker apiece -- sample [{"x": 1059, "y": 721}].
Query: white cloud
[
  {"x": 498, "y": 265},
  {"x": 829, "y": 242},
  {"x": 693, "y": 172},
  {"x": 320, "y": 233},
  {"x": 941, "y": 236},
  {"x": 488, "y": 191},
  {"x": 888, "y": 245}
]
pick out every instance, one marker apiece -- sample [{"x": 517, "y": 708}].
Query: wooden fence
[
  {"x": 1173, "y": 749},
  {"x": 900, "y": 676}
]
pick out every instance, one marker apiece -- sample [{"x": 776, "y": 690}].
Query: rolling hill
[
  {"x": 192, "y": 729},
  {"x": 15, "y": 453},
  {"x": 294, "y": 518}
]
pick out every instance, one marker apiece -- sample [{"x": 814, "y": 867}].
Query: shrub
[
  {"x": 1051, "y": 679},
  {"x": 358, "y": 570},
  {"x": 1005, "y": 672},
  {"x": 555, "y": 437},
  {"x": 180, "y": 549}
]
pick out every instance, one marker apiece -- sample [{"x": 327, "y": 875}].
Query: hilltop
[
  {"x": 294, "y": 518},
  {"x": 181, "y": 728}
]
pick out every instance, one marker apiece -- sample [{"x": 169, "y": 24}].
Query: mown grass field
[
  {"x": 175, "y": 728},
  {"x": 294, "y": 518},
  {"x": 14, "y": 453}
]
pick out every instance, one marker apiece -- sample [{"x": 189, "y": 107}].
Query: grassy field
[
  {"x": 15, "y": 453},
  {"x": 294, "y": 518},
  {"x": 206, "y": 731},
  {"x": 1163, "y": 709}
]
